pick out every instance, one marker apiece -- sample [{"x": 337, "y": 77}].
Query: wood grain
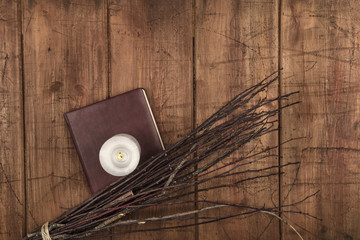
[
  {"x": 12, "y": 197},
  {"x": 65, "y": 67},
  {"x": 236, "y": 46},
  {"x": 320, "y": 56},
  {"x": 151, "y": 47}
]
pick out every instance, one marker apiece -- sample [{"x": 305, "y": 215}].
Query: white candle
[{"x": 120, "y": 155}]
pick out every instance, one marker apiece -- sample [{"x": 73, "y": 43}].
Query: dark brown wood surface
[
  {"x": 151, "y": 47},
  {"x": 232, "y": 40},
  {"x": 191, "y": 57},
  {"x": 65, "y": 64},
  {"x": 12, "y": 189},
  {"x": 320, "y": 56}
]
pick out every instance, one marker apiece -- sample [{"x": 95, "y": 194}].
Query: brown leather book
[{"x": 91, "y": 126}]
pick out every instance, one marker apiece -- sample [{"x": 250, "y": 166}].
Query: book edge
[
  {"x": 67, "y": 120},
  {"x": 101, "y": 101},
  {"x": 153, "y": 118}
]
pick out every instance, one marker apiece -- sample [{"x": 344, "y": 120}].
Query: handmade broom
[{"x": 183, "y": 169}]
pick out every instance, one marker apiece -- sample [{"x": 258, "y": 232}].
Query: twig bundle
[{"x": 165, "y": 178}]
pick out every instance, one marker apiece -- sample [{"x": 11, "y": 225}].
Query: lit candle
[{"x": 120, "y": 155}]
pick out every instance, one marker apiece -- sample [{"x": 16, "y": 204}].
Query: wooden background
[{"x": 191, "y": 57}]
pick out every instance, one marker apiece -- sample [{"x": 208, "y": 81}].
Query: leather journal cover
[{"x": 92, "y": 125}]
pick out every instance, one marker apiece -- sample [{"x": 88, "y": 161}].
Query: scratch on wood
[
  {"x": 226, "y": 233},
  {"x": 300, "y": 51},
  {"x": 84, "y": 43},
  {"x": 257, "y": 34},
  {"x": 265, "y": 228},
  {"x": 11, "y": 181},
  {"x": 231, "y": 38},
  {"x": 56, "y": 176},
  {"x": 32, "y": 217},
  {"x": 63, "y": 34},
  {"x": 331, "y": 148},
  {"x": 311, "y": 67},
  {"x": 31, "y": 16},
  {"x": 9, "y": 184},
  {"x": 295, "y": 179},
  {"x": 316, "y": 54},
  {"x": 4, "y": 68},
  {"x": 337, "y": 27},
  {"x": 230, "y": 61}
]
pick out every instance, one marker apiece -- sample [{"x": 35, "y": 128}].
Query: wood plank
[
  {"x": 12, "y": 196},
  {"x": 151, "y": 47},
  {"x": 320, "y": 56},
  {"x": 65, "y": 67},
  {"x": 236, "y": 46}
]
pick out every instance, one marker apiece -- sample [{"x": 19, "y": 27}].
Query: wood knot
[{"x": 56, "y": 86}]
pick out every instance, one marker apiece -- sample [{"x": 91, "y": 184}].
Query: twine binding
[{"x": 45, "y": 231}]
